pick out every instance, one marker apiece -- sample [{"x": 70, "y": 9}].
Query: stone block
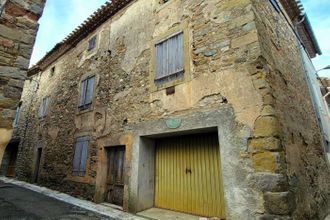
[
  {"x": 278, "y": 203},
  {"x": 12, "y": 72},
  {"x": 22, "y": 62},
  {"x": 265, "y": 181},
  {"x": 244, "y": 40},
  {"x": 268, "y": 110},
  {"x": 266, "y": 126},
  {"x": 8, "y": 103},
  {"x": 264, "y": 144},
  {"x": 267, "y": 161}
]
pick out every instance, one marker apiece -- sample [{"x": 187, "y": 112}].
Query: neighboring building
[
  {"x": 190, "y": 105},
  {"x": 325, "y": 90},
  {"x": 18, "y": 29}
]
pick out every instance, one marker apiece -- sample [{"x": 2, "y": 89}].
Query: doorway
[
  {"x": 115, "y": 175},
  {"x": 9, "y": 159}
]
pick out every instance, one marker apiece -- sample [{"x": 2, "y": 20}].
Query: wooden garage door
[{"x": 188, "y": 175}]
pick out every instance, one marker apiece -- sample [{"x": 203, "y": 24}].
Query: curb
[{"x": 90, "y": 206}]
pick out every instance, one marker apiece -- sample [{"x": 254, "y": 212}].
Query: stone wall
[
  {"x": 300, "y": 153},
  {"x": 232, "y": 84},
  {"x": 18, "y": 28}
]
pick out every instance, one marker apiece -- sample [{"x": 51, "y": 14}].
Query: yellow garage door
[{"x": 188, "y": 175}]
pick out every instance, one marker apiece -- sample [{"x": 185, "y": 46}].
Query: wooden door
[
  {"x": 115, "y": 178},
  {"x": 188, "y": 175}
]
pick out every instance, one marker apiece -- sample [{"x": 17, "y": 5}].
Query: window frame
[
  {"x": 186, "y": 76},
  {"x": 85, "y": 105},
  {"x": 92, "y": 43},
  {"x": 17, "y": 115},
  {"x": 44, "y": 103},
  {"x": 82, "y": 171},
  {"x": 276, "y": 5}
]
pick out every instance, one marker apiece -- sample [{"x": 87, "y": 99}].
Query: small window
[
  {"x": 276, "y": 5},
  {"x": 52, "y": 71},
  {"x": 86, "y": 92},
  {"x": 43, "y": 107},
  {"x": 17, "y": 115},
  {"x": 80, "y": 156},
  {"x": 169, "y": 59},
  {"x": 92, "y": 43}
]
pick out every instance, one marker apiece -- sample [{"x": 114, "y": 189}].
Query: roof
[
  {"x": 92, "y": 23},
  {"x": 293, "y": 8},
  {"x": 296, "y": 12}
]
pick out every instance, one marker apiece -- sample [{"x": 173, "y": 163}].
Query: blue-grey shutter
[
  {"x": 90, "y": 90},
  {"x": 17, "y": 116},
  {"x": 77, "y": 157},
  {"x": 45, "y": 108},
  {"x": 82, "y": 93},
  {"x": 170, "y": 57},
  {"x": 83, "y": 159}
]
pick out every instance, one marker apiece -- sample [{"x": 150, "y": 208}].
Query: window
[
  {"x": 92, "y": 43},
  {"x": 43, "y": 107},
  {"x": 86, "y": 92},
  {"x": 18, "y": 112},
  {"x": 52, "y": 71},
  {"x": 276, "y": 5},
  {"x": 169, "y": 59},
  {"x": 80, "y": 156}
]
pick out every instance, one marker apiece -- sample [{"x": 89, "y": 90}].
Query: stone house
[
  {"x": 195, "y": 106},
  {"x": 18, "y": 28}
]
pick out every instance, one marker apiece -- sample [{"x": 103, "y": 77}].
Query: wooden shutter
[
  {"x": 169, "y": 57},
  {"x": 80, "y": 156},
  {"x": 83, "y": 158},
  {"x": 77, "y": 158},
  {"x": 83, "y": 93},
  {"x": 89, "y": 90}
]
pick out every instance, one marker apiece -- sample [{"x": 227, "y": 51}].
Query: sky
[{"x": 61, "y": 17}]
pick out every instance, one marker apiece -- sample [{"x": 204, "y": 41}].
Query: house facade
[{"x": 195, "y": 106}]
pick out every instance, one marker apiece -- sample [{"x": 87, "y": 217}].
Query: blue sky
[{"x": 62, "y": 16}]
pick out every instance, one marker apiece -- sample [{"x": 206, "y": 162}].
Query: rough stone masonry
[
  {"x": 18, "y": 29},
  {"x": 243, "y": 76}
]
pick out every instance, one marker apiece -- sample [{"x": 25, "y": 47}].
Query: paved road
[{"x": 17, "y": 203}]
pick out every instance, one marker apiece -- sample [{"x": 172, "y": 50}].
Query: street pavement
[{"x": 18, "y": 203}]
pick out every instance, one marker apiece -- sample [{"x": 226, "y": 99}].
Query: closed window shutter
[
  {"x": 77, "y": 157},
  {"x": 80, "y": 156},
  {"x": 82, "y": 93},
  {"x": 90, "y": 90},
  {"x": 169, "y": 57},
  {"x": 83, "y": 159}
]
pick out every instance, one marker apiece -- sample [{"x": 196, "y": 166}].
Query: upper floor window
[
  {"x": 52, "y": 71},
  {"x": 92, "y": 43},
  {"x": 86, "y": 92},
  {"x": 80, "y": 156},
  {"x": 17, "y": 115},
  {"x": 170, "y": 59},
  {"x": 43, "y": 107},
  {"x": 276, "y": 5}
]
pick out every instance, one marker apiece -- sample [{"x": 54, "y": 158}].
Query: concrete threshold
[
  {"x": 97, "y": 208},
  {"x": 163, "y": 214}
]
